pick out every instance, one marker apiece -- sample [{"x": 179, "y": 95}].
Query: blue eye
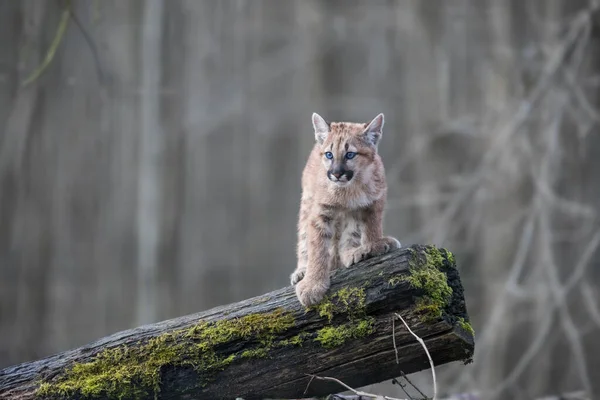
[
  {"x": 350, "y": 155},
  {"x": 329, "y": 155}
]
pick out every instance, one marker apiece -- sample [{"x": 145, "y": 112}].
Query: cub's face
[
  {"x": 347, "y": 149},
  {"x": 343, "y": 156}
]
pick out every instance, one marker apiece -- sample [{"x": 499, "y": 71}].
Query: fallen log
[{"x": 268, "y": 346}]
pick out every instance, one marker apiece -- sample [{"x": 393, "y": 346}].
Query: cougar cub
[{"x": 343, "y": 199}]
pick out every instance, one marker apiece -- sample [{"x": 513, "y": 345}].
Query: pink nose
[{"x": 338, "y": 175}]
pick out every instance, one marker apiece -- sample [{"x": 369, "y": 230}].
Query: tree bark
[{"x": 268, "y": 346}]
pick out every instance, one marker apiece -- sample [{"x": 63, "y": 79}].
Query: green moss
[
  {"x": 466, "y": 326},
  {"x": 426, "y": 274},
  {"x": 349, "y": 301},
  {"x": 437, "y": 291},
  {"x": 297, "y": 340},
  {"x": 450, "y": 258},
  {"x": 134, "y": 371},
  {"x": 326, "y": 309},
  {"x": 428, "y": 309},
  {"x": 260, "y": 352},
  {"x": 333, "y": 336},
  {"x": 352, "y": 302},
  {"x": 439, "y": 257},
  {"x": 434, "y": 257}
]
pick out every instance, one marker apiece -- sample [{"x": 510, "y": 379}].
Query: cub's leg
[
  {"x": 350, "y": 241},
  {"x": 373, "y": 243},
  {"x": 312, "y": 288},
  {"x": 302, "y": 246}
]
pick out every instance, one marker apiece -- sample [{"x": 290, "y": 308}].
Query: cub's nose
[{"x": 337, "y": 175}]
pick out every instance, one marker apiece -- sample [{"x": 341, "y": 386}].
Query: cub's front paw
[
  {"x": 385, "y": 245},
  {"x": 354, "y": 255},
  {"x": 297, "y": 276},
  {"x": 311, "y": 292},
  {"x": 393, "y": 243}
]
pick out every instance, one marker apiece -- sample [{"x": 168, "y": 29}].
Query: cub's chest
[
  {"x": 354, "y": 199},
  {"x": 358, "y": 201},
  {"x": 346, "y": 223}
]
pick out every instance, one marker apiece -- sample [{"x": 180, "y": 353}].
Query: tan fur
[{"x": 340, "y": 223}]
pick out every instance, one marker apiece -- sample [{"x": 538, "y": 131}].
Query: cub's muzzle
[{"x": 340, "y": 174}]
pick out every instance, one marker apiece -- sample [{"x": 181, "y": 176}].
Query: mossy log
[{"x": 267, "y": 346}]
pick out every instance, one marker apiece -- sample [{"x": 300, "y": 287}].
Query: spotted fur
[{"x": 341, "y": 210}]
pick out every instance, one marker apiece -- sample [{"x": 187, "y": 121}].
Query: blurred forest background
[{"x": 152, "y": 169}]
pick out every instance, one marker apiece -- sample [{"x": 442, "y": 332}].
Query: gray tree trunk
[{"x": 149, "y": 165}]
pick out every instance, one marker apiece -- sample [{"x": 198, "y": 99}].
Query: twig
[
  {"x": 413, "y": 385},
  {"x": 402, "y": 386},
  {"x": 374, "y": 396},
  {"x": 394, "y": 339},
  {"x": 357, "y": 392},
  {"x": 308, "y": 385},
  {"x": 426, "y": 351},
  {"x": 397, "y": 362},
  {"x": 60, "y": 32}
]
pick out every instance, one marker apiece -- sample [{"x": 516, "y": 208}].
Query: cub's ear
[
  {"x": 374, "y": 130},
  {"x": 321, "y": 128}
]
